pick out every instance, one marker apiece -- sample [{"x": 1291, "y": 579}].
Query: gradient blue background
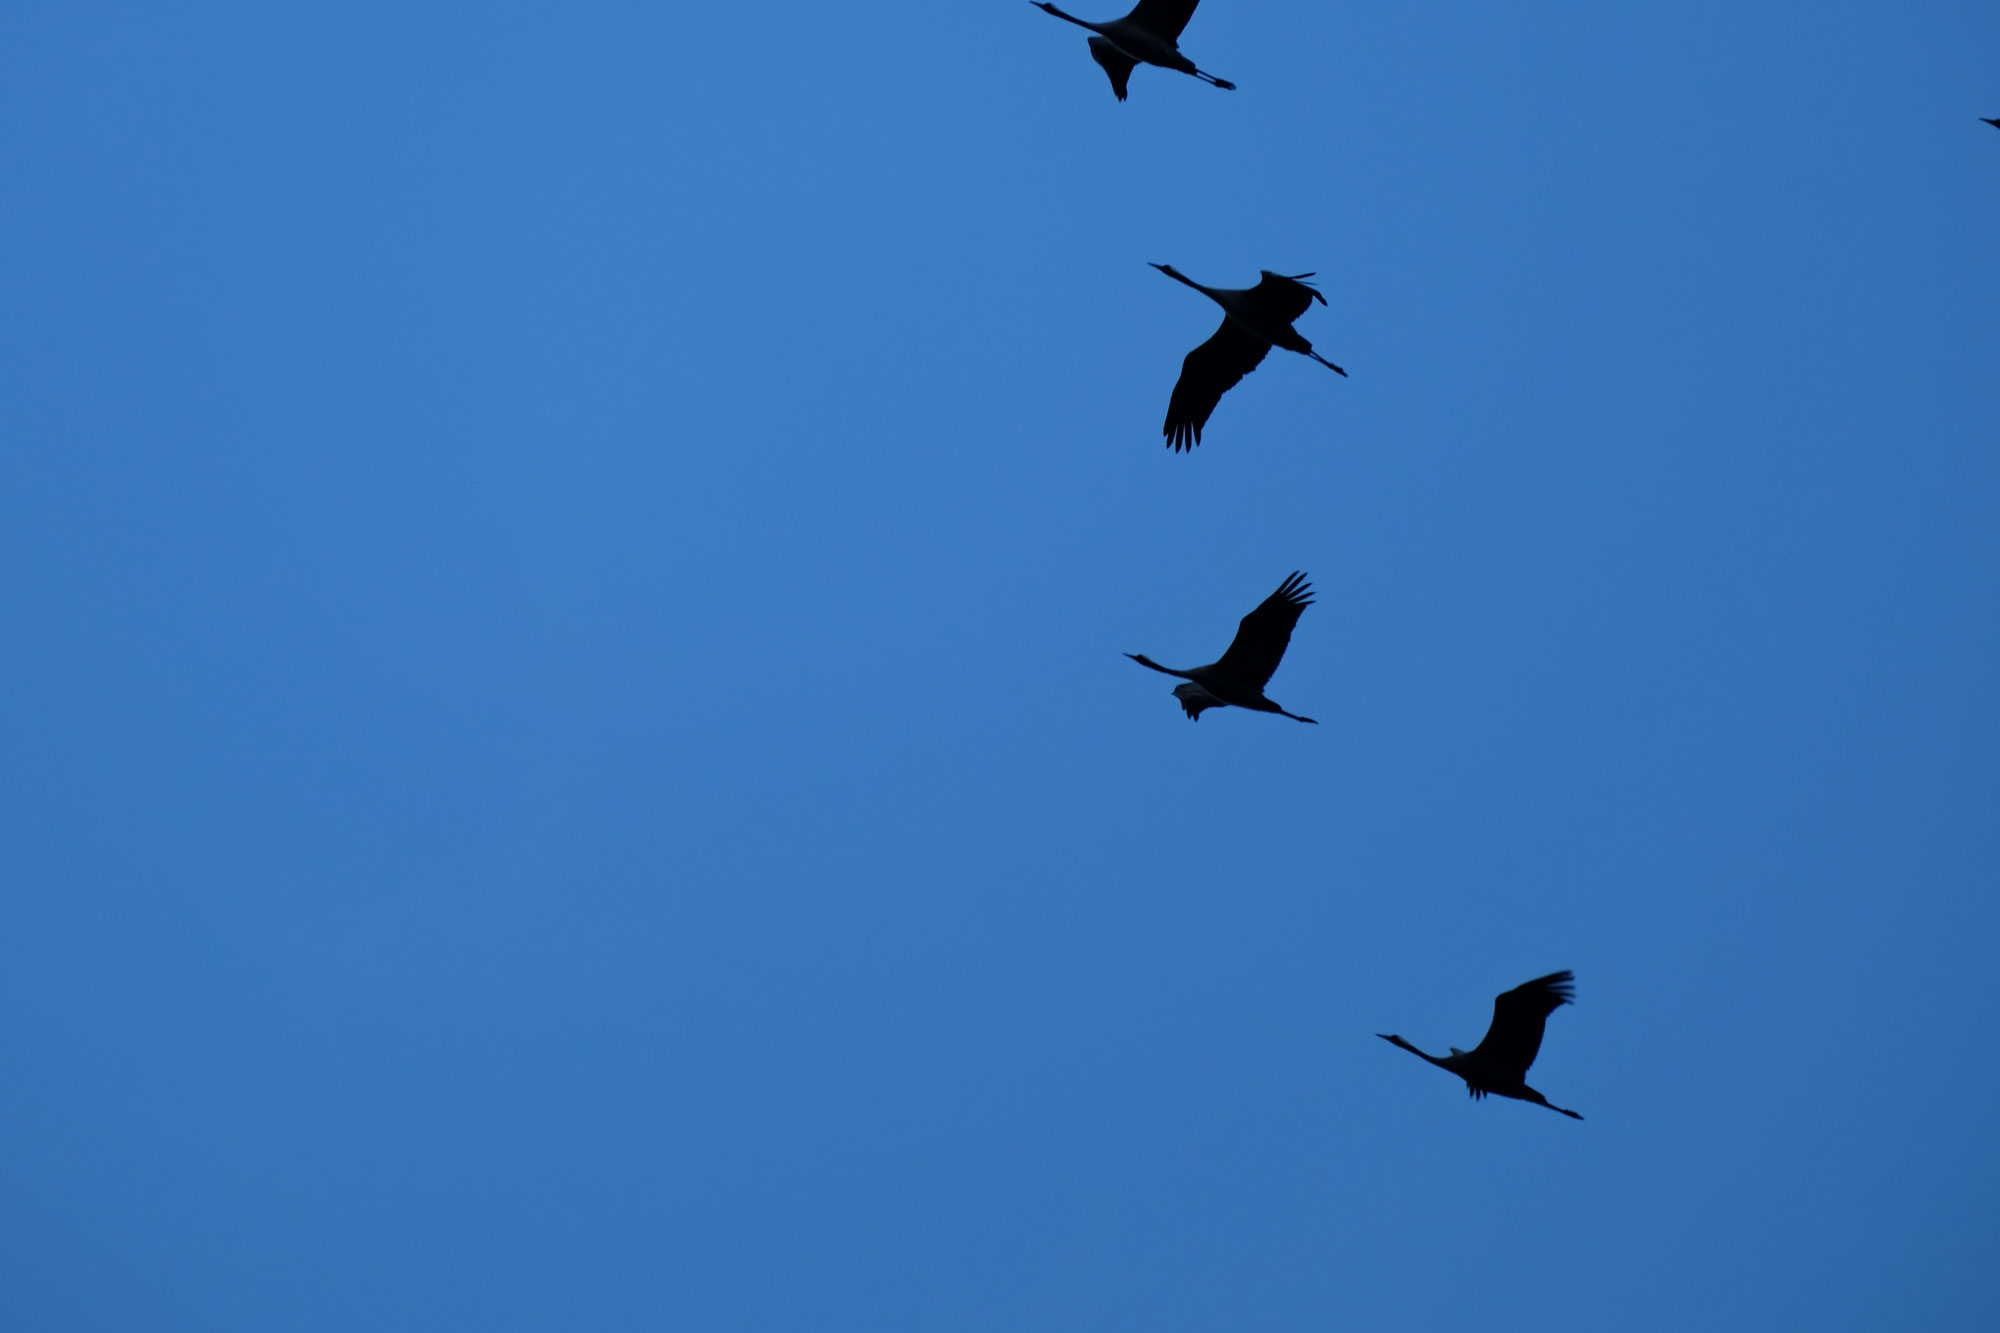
[{"x": 567, "y": 763}]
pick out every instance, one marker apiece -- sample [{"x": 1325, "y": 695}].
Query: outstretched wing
[
  {"x": 1210, "y": 371},
  {"x": 1519, "y": 1015},
  {"x": 1166, "y": 17},
  {"x": 1116, "y": 63},
  {"x": 1262, "y": 636},
  {"x": 1284, "y": 299}
]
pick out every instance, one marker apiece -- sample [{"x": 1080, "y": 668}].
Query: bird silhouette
[
  {"x": 1239, "y": 675},
  {"x": 1499, "y": 1064},
  {"x": 1149, "y": 35},
  {"x": 1992, "y": 120},
  {"x": 1254, "y": 320}
]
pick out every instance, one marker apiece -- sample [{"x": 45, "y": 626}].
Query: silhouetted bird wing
[
  {"x": 1194, "y": 698},
  {"x": 1166, "y": 17},
  {"x": 1993, "y": 121},
  {"x": 1284, "y": 298},
  {"x": 1210, "y": 371},
  {"x": 1519, "y": 1015},
  {"x": 1263, "y": 635},
  {"x": 1116, "y": 63}
]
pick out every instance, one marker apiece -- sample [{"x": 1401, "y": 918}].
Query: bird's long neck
[
  {"x": 1145, "y": 661},
  {"x": 1051, "y": 9},
  {"x": 1184, "y": 279},
  {"x": 1398, "y": 1041}
]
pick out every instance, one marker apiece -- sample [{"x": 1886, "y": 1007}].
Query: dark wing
[
  {"x": 1116, "y": 63},
  {"x": 1282, "y": 298},
  {"x": 1262, "y": 635},
  {"x": 1990, "y": 120},
  {"x": 1166, "y": 17},
  {"x": 1194, "y": 698},
  {"x": 1515, "y": 1038},
  {"x": 1210, "y": 371}
]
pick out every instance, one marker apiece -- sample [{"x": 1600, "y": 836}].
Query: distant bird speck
[
  {"x": 1254, "y": 320},
  {"x": 1499, "y": 1064},
  {"x": 1149, "y": 35},
  {"x": 1239, "y": 676}
]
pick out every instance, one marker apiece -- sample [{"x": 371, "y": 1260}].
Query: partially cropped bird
[
  {"x": 1149, "y": 35},
  {"x": 1499, "y": 1064},
  {"x": 1254, "y": 319},
  {"x": 1994, "y": 121},
  {"x": 1239, "y": 676}
]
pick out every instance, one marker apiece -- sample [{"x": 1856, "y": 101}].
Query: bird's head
[{"x": 1167, "y": 269}]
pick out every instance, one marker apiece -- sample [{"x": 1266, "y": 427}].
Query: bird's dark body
[
  {"x": 1498, "y": 1066},
  {"x": 1520, "y": 1092},
  {"x": 1239, "y": 676},
  {"x": 1149, "y": 35},
  {"x": 1226, "y": 691},
  {"x": 1254, "y": 320}
]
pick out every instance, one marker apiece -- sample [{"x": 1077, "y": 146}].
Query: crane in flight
[
  {"x": 1254, "y": 320},
  {"x": 1149, "y": 35},
  {"x": 1499, "y": 1064},
  {"x": 1239, "y": 675}
]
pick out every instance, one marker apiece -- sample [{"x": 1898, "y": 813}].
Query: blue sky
[{"x": 568, "y": 759}]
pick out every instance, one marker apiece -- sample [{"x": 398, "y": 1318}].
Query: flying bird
[
  {"x": 1991, "y": 120},
  {"x": 1499, "y": 1064},
  {"x": 1149, "y": 35},
  {"x": 1254, "y": 319},
  {"x": 1240, "y": 675}
]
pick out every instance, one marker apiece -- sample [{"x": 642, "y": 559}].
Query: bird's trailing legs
[
  {"x": 1540, "y": 1100},
  {"x": 1328, "y": 364}
]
